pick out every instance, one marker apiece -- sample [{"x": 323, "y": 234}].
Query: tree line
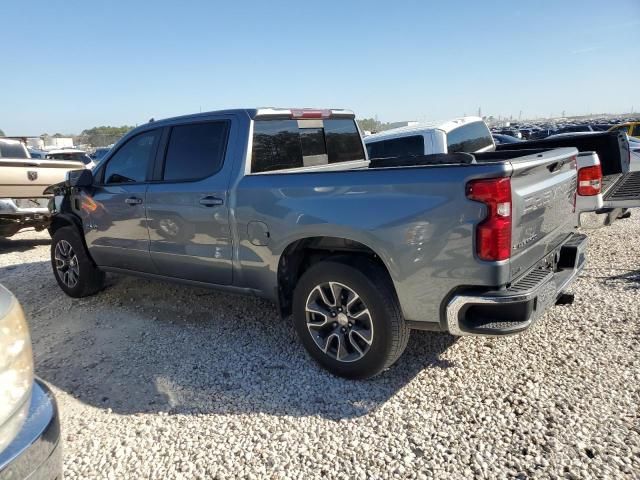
[{"x": 101, "y": 136}]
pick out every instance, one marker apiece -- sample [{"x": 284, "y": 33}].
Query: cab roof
[
  {"x": 446, "y": 127},
  {"x": 265, "y": 112}
]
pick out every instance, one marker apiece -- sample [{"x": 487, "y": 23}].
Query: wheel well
[
  {"x": 300, "y": 255},
  {"x": 59, "y": 221}
]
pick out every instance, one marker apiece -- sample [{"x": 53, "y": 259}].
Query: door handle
[
  {"x": 133, "y": 201},
  {"x": 211, "y": 201}
]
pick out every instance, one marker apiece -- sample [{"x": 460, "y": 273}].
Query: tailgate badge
[{"x": 32, "y": 175}]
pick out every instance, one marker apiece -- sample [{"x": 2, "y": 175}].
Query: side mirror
[{"x": 79, "y": 178}]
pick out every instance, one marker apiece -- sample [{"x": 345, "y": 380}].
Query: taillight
[
  {"x": 589, "y": 181},
  {"x": 493, "y": 234},
  {"x": 302, "y": 113}
]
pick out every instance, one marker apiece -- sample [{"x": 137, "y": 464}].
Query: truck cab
[{"x": 467, "y": 134}]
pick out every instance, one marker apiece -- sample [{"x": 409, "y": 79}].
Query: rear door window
[
  {"x": 636, "y": 130},
  {"x": 396, "y": 147},
  {"x": 195, "y": 151},
  {"x": 285, "y": 144},
  {"x": 469, "y": 138}
]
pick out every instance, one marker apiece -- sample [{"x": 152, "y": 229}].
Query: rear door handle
[
  {"x": 133, "y": 201},
  {"x": 211, "y": 201}
]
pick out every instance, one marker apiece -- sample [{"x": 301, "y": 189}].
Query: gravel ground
[{"x": 161, "y": 381}]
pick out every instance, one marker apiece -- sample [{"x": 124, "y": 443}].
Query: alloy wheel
[
  {"x": 67, "y": 264},
  {"x": 339, "y": 321}
]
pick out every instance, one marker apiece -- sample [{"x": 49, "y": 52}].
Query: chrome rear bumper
[{"x": 24, "y": 206}]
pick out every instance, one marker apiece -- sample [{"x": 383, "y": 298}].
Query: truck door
[
  {"x": 187, "y": 204},
  {"x": 115, "y": 225}
]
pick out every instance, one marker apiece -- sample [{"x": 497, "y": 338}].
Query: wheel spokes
[
  {"x": 66, "y": 262},
  {"x": 339, "y": 322},
  {"x": 364, "y": 334},
  {"x": 317, "y": 309}
]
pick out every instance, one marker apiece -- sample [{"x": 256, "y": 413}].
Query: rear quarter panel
[{"x": 416, "y": 219}]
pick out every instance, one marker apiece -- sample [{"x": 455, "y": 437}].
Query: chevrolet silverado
[{"x": 285, "y": 204}]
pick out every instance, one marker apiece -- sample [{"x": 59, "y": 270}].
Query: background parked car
[
  {"x": 501, "y": 139},
  {"x": 575, "y": 128},
  {"x": 71, "y": 154},
  {"x": 634, "y": 147},
  {"x": 29, "y": 423},
  {"x": 631, "y": 128},
  {"x": 99, "y": 153}
]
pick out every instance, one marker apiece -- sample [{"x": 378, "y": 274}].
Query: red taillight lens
[
  {"x": 493, "y": 234},
  {"x": 302, "y": 113},
  {"x": 589, "y": 181}
]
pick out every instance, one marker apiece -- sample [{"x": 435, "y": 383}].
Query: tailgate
[
  {"x": 27, "y": 178},
  {"x": 622, "y": 191},
  {"x": 543, "y": 188}
]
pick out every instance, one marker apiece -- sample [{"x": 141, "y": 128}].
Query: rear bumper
[
  {"x": 514, "y": 309},
  {"x": 16, "y": 214},
  {"x": 35, "y": 452}
]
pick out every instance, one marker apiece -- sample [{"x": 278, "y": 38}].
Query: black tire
[
  {"x": 371, "y": 283},
  {"x": 90, "y": 279}
]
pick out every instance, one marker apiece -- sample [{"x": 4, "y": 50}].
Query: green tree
[
  {"x": 370, "y": 124},
  {"x": 1, "y": 133},
  {"x": 102, "y": 136}
]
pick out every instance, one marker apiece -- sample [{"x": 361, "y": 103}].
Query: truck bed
[
  {"x": 27, "y": 178},
  {"x": 543, "y": 184}
]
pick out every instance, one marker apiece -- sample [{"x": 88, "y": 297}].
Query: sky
[{"x": 72, "y": 65}]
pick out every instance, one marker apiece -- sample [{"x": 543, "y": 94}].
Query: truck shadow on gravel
[
  {"x": 631, "y": 279},
  {"x": 148, "y": 346},
  {"x": 21, "y": 245}
]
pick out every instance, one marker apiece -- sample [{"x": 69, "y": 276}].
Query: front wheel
[
  {"x": 74, "y": 270},
  {"x": 348, "y": 318}
]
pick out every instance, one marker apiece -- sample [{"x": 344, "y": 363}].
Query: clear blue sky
[{"x": 74, "y": 64}]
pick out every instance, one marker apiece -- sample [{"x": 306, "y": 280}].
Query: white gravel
[{"x": 161, "y": 381}]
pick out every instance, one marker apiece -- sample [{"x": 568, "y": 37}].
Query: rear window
[
  {"x": 283, "y": 144},
  {"x": 396, "y": 147},
  {"x": 13, "y": 150},
  {"x": 469, "y": 138},
  {"x": 636, "y": 130}
]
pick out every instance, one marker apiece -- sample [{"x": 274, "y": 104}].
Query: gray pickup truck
[{"x": 284, "y": 204}]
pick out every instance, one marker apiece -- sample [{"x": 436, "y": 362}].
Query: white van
[{"x": 467, "y": 134}]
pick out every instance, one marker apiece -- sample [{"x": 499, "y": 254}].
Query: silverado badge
[{"x": 31, "y": 175}]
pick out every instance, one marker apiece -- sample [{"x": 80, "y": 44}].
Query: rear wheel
[
  {"x": 74, "y": 270},
  {"x": 348, "y": 318}
]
